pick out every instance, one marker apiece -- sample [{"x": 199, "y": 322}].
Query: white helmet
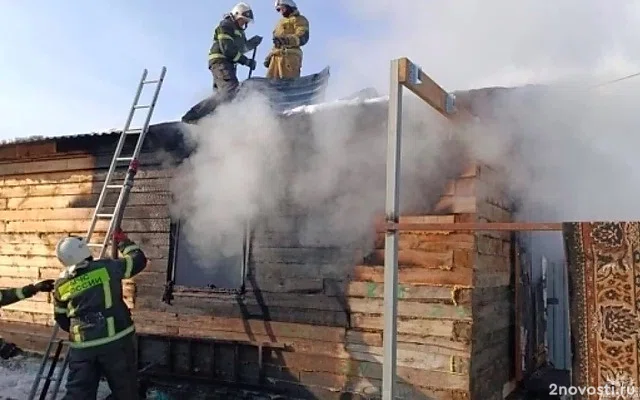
[
  {"x": 290, "y": 3},
  {"x": 242, "y": 10},
  {"x": 72, "y": 250}
]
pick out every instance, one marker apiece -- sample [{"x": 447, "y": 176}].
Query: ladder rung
[
  {"x": 137, "y": 106},
  {"x": 124, "y": 159},
  {"x": 114, "y": 186},
  {"x": 105, "y": 215},
  {"x": 151, "y": 81},
  {"x": 133, "y": 131},
  {"x": 94, "y": 244}
]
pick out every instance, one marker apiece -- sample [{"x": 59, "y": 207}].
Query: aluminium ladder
[{"x": 114, "y": 218}]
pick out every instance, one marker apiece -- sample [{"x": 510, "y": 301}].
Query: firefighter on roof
[
  {"x": 89, "y": 304},
  {"x": 290, "y": 34},
  {"x": 228, "y": 48},
  {"x": 10, "y": 296}
]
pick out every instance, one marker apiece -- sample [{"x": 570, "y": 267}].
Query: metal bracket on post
[
  {"x": 392, "y": 211},
  {"x": 414, "y": 74},
  {"x": 450, "y": 103}
]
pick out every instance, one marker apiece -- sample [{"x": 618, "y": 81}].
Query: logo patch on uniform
[{"x": 79, "y": 284}]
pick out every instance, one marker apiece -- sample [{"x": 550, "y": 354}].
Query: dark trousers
[
  {"x": 226, "y": 85},
  {"x": 225, "y": 80},
  {"x": 116, "y": 361}
]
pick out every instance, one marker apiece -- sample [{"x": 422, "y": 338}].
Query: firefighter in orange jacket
[
  {"x": 284, "y": 61},
  {"x": 10, "y": 296}
]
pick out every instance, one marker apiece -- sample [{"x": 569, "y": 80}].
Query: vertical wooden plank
[{"x": 518, "y": 307}]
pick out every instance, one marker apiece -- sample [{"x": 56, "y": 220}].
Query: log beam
[
  {"x": 413, "y": 78},
  {"x": 471, "y": 227}
]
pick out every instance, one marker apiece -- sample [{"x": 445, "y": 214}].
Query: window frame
[{"x": 172, "y": 289}]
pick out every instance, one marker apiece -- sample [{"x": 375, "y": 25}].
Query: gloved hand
[
  {"x": 267, "y": 62},
  {"x": 119, "y": 236},
  {"x": 251, "y": 64},
  {"x": 254, "y": 42},
  {"x": 8, "y": 350},
  {"x": 44, "y": 286},
  {"x": 279, "y": 41}
]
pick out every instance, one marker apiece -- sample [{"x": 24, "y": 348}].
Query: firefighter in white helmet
[
  {"x": 228, "y": 49},
  {"x": 284, "y": 61},
  {"x": 89, "y": 305}
]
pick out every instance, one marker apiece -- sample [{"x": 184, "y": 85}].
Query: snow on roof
[
  {"x": 334, "y": 104},
  {"x": 364, "y": 97},
  {"x": 294, "y": 111}
]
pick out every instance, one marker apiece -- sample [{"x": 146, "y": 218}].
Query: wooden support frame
[
  {"x": 473, "y": 226},
  {"x": 405, "y": 74},
  {"x": 413, "y": 78}
]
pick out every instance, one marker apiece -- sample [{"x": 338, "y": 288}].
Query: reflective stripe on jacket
[
  {"x": 90, "y": 304},
  {"x": 229, "y": 43},
  {"x": 10, "y": 296}
]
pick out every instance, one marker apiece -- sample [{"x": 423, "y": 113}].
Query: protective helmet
[
  {"x": 72, "y": 250},
  {"x": 242, "y": 10},
  {"x": 289, "y": 3}
]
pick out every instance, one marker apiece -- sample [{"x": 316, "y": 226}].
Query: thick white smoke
[
  {"x": 327, "y": 166},
  {"x": 480, "y": 43},
  {"x": 570, "y": 151}
]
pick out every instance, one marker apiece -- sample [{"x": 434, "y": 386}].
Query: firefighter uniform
[
  {"x": 284, "y": 61},
  {"x": 227, "y": 50},
  {"x": 10, "y": 296},
  {"x": 89, "y": 305}
]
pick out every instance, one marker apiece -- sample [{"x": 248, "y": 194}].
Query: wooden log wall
[
  {"x": 45, "y": 196},
  {"x": 317, "y": 311},
  {"x": 493, "y": 337}
]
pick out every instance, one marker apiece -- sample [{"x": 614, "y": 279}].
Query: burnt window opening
[{"x": 218, "y": 272}]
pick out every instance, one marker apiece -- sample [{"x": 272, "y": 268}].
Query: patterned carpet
[{"x": 604, "y": 274}]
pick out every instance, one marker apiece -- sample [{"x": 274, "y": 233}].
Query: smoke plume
[
  {"x": 569, "y": 150},
  {"x": 327, "y": 167}
]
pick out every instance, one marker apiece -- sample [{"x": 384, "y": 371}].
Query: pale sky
[{"x": 71, "y": 66}]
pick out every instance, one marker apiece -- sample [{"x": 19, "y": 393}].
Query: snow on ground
[{"x": 17, "y": 376}]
